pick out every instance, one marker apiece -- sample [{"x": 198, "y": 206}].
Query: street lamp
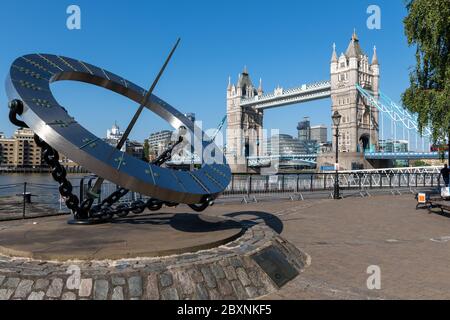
[
  {"x": 336, "y": 121},
  {"x": 448, "y": 146}
]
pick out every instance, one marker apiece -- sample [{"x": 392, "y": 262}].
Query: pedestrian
[{"x": 445, "y": 174}]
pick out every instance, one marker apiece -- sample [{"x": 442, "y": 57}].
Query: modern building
[
  {"x": 135, "y": 149},
  {"x": 319, "y": 134},
  {"x": 312, "y": 137},
  {"x": 8, "y": 149},
  {"x": 159, "y": 141},
  {"x": 391, "y": 145},
  {"x": 20, "y": 150},
  {"x": 304, "y": 129},
  {"x": 284, "y": 145}
]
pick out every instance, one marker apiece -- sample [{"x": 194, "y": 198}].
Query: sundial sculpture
[{"x": 28, "y": 90}]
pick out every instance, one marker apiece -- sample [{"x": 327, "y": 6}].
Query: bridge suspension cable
[{"x": 399, "y": 118}]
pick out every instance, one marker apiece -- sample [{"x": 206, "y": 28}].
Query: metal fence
[
  {"x": 25, "y": 200},
  {"x": 257, "y": 184}
]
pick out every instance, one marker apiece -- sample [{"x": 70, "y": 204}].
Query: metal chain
[
  {"x": 105, "y": 209},
  {"x": 59, "y": 174},
  {"x": 167, "y": 155}
]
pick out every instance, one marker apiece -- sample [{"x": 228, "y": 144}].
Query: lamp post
[
  {"x": 336, "y": 121},
  {"x": 448, "y": 146}
]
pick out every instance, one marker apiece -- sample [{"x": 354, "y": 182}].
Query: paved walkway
[
  {"x": 227, "y": 272},
  {"x": 345, "y": 237},
  {"x": 11, "y": 208},
  {"x": 146, "y": 235}
]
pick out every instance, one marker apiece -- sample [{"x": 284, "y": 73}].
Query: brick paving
[
  {"x": 342, "y": 238},
  {"x": 345, "y": 237},
  {"x": 411, "y": 247},
  {"x": 225, "y": 272}
]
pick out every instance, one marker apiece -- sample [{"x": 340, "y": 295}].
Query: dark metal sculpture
[{"x": 28, "y": 89}]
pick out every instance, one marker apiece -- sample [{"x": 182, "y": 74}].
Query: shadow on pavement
[
  {"x": 269, "y": 219},
  {"x": 190, "y": 222},
  {"x": 438, "y": 212},
  {"x": 186, "y": 222}
]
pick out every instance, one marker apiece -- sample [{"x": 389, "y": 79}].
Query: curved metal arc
[
  {"x": 68, "y": 138},
  {"x": 133, "y": 121}
]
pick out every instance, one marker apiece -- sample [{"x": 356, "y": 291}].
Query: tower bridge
[
  {"x": 359, "y": 127},
  {"x": 353, "y": 89}
]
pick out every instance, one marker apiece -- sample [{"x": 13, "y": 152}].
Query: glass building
[
  {"x": 284, "y": 145},
  {"x": 393, "y": 145}
]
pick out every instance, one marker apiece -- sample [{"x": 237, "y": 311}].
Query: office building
[
  {"x": 304, "y": 129},
  {"x": 159, "y": 141},
  {"x": 20, "y": 150},
  {"x": 319, "y": 134}
]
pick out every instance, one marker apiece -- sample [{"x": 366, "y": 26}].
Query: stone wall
[{"x": 226, "y": 272}]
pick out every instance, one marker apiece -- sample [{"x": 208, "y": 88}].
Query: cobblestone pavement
[
  {"x": 226, "y": 272},
  {"x": 411, "y": 247},
  {"x": 343, "y": 238}
]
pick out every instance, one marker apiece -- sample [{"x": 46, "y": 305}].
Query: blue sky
[{"x": 285, "y": 43}]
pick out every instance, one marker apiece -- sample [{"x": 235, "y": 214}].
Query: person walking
[{"x": 445, "y": 172}]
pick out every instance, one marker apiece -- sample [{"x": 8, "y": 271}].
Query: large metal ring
[{"x": 29, "y": 81}]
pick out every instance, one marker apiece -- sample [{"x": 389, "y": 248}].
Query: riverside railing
[
  {"x": 26, "y": 200},
  {"x": 245, "y": 184},
  {"x": 29, "y": 200}
]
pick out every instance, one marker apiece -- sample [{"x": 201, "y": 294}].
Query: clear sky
[{"x": 285, "y": 43}]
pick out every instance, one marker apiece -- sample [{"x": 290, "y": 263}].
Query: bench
[
  {"x": 440, "y": 204},
  {"x": 425, "y": 199}
]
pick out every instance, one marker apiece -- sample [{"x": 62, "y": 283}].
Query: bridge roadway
[
  {"x": 403, "y": 155},
  {"x": 282, "y": 97},
  {"x": 310, "y": 159}
]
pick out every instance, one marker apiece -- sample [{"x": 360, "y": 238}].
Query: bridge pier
[
  {"x": 243, "y": 168},
  {"x": 382, "y": 163}
]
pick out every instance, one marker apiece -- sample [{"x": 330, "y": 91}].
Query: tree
[
  {"x": 420, "y": 163},
  {"x": 427, "y": 27},
  {"x": 146, "y": 150}
]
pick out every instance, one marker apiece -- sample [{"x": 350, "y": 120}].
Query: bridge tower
[
  {"x": 245, "y": 124},
  {"x": 359, "y": 124}
]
